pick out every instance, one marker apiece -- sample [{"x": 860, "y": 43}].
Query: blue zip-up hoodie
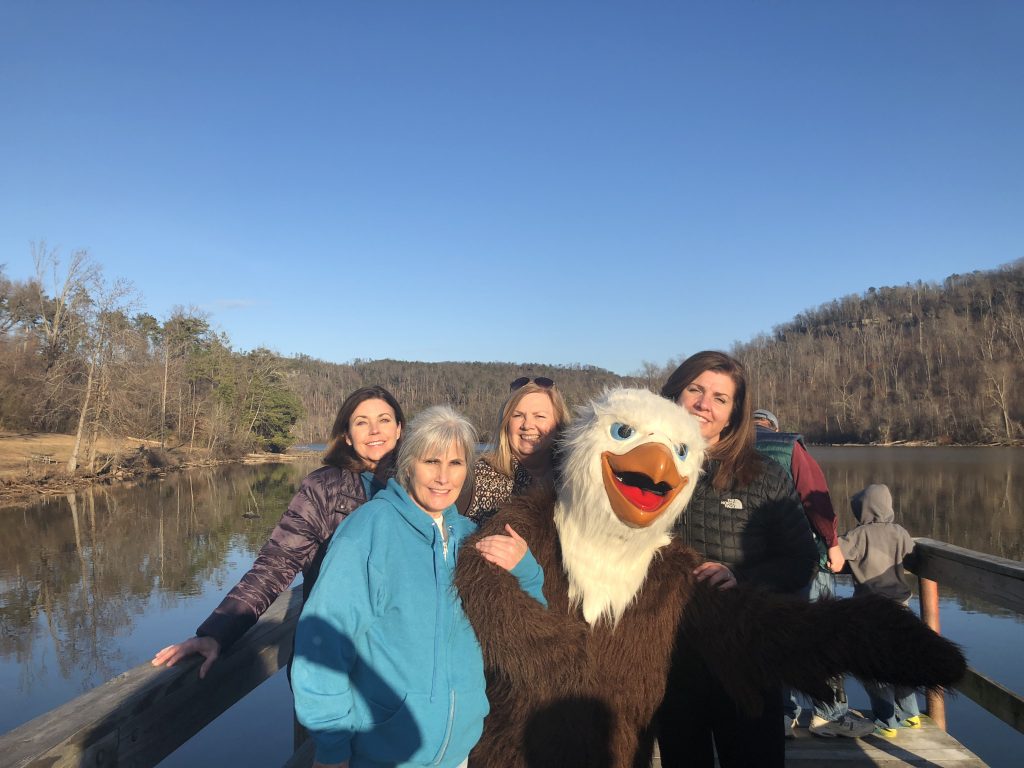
[{"x": 387, "y": 669}]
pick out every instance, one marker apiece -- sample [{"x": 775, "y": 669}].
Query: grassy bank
[{"x": 33, "y": 464}]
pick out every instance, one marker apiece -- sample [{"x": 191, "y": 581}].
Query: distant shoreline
[
  {"x": 32, "y": 464},
  {"x": 917, "y": 444}
]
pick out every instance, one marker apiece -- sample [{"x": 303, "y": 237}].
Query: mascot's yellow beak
[{"x": 642, "y": 483}]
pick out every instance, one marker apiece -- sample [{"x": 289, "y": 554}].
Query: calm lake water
[{"x": 92, "y": 584}]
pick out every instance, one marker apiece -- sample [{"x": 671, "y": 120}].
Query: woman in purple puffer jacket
[{"x": 356, "y": 465}]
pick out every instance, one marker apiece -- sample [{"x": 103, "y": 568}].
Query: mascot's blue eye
[
  {"x": 681, "y": 450},
  {"x": 622, "y": 431}
]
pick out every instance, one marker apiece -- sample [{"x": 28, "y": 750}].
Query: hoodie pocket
[{"x": 414, "y": 733}]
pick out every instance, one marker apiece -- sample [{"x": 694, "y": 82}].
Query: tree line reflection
[
  {"x": 970, "y": 497},
  {"x": 79, "y": 574}
]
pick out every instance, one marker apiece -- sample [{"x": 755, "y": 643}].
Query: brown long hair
[
  {"x": 739, "y": 460},
  {"x": 342, "y": 455}
]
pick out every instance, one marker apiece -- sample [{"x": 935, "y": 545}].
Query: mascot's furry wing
[{"x": 577, "y": 683}]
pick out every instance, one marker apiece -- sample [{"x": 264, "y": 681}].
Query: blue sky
[{"x": 603, "y": 183}]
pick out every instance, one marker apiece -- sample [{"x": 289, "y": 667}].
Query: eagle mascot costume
[{"x": 577, "y": 683}]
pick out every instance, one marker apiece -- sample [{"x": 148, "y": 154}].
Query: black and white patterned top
[{"x": 492, "y": 488}]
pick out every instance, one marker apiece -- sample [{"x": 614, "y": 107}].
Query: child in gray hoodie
[{"x": 876, "y": 552}]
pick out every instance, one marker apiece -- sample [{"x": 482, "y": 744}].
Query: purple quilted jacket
[{"x": 298, "y": 543}]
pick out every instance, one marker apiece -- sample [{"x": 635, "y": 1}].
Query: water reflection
[
  {"x": 970, "y": 497},
  {"x": 965, "y": 496},
  {"x": 93, "y": 583},
  {"x": 77, "y": 573}
]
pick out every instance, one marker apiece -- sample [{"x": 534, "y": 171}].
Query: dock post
[{"x": 935, "y": 700}]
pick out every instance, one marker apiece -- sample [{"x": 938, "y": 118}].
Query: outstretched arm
[
  {"x": 299, "y": 535},
  {"x": 752, "y": 640}
]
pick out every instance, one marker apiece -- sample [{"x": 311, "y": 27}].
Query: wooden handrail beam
[
  {"x": 994, "y": 579},
  {"x": 994, "y": 698},
  {"x": 143, "y": 715}
]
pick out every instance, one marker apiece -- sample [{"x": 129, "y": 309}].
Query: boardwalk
[{"x": 927, "y": 746}]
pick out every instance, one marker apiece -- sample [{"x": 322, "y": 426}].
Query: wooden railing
[
  {"x": 143, "y": 715},
  {"x": 993, "y": 579}
]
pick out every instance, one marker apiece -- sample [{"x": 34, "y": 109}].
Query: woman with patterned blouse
[{"x": 523, "y": 458}]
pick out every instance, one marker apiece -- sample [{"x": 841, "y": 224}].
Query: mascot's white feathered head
[{"x": 630, "y": 461}]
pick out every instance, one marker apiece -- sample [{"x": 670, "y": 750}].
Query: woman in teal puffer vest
[{"x": 387, "y": 669}]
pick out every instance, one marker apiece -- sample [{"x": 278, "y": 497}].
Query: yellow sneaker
[
  {"x": 912, "y": 722},
  {"x": 888, "y": 733}
]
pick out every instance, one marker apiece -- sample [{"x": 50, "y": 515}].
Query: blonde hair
[{"x": 501, "y": 457}]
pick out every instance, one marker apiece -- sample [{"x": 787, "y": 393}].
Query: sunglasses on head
[{"x": 541, "y": 381}]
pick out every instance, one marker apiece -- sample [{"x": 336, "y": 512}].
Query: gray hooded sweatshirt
[{"x": 877, "y": 548}]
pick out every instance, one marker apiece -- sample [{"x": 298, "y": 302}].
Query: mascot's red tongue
[
  {"x": 634, "y": 505},
  {"x": 640, "y": 497}
]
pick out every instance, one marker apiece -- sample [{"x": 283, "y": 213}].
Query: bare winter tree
[{"x": 105, "y": 338}]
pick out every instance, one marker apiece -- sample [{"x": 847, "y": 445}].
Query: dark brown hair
[
  {"x": 339, "y": 453},
  {"x": 739, "y": 460}
]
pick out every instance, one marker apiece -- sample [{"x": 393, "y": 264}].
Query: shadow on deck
[{"x": 928, "y": 745}]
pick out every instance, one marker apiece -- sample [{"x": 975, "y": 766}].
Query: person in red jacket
[{"x": 827, "y": 720}]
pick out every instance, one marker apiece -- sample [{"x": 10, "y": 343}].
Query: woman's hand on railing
[{"x": 206, "y": 647}]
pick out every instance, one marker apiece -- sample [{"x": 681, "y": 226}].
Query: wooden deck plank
[{"x": 925, "y": 746}]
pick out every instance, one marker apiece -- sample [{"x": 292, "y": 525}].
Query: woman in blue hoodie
[{"x": 387, "y": 669}]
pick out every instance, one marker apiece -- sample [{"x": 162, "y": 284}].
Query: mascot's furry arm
[
  {"x": 522, "y": 640},
  {"x": 753, "y": 640}
]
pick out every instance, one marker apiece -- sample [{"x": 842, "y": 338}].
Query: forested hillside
[
  {"x": 476, "y": 389},
  {"x": 78, "y": 355},
  {"x": 916, "y": 362}
]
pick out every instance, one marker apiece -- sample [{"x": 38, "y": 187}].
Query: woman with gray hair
[{"x": 387, "y": 669}]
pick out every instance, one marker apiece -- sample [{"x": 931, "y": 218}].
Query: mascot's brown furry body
[{"x": 577, "y": 683}]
